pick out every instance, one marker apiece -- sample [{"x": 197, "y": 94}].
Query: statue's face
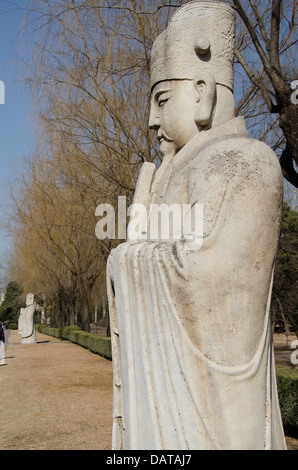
[
  {"x": 172, "y": 114},
  {"x": 29, "y": 299}
]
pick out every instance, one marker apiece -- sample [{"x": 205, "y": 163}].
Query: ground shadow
[{"x": 291, "y": 431}]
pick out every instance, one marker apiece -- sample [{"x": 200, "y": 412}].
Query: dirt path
[{"x": 55, "y": 395}]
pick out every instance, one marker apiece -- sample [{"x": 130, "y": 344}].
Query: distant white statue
[
  {"x": 190, "y": 318},
  {"x": 2, "y": 345},
  {"x": 20, "y": 321},
  {"x": 27, "y": 322},
  {"x": 42, "y": 316}
]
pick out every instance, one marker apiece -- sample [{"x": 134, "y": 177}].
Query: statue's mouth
[{"x": 163, "y": 137}]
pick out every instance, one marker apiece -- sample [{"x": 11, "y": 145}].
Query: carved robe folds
[
  {"x": 191, "y": 333},
  {"x": 28, "y": 326}
]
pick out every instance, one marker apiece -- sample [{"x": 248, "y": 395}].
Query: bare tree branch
[
  {"x": 274, "y": 36},
  {"x": 258, "y": 83}
]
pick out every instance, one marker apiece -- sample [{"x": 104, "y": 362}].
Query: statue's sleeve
[{"x": 117, "y": 400}]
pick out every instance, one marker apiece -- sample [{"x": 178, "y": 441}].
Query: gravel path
[{"x": 56, "y": 395}]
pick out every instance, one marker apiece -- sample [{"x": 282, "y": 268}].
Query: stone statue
[
  {"x": 190, "y": 324},
  {"x": 2, "y": 345},
  {"x": 27, "y": 324},
  {"x": 20, "y": 321},
  {"x": 42, "y": 316}
]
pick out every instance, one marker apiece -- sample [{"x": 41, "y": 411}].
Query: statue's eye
[{"x": 161, "y": 103}]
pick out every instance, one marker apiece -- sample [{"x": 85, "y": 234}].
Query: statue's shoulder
[{"x": 240, "y": 155}]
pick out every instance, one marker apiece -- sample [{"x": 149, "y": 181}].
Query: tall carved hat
[{"x": 200, "y": 37}]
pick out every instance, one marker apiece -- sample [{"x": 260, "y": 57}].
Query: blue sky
[{"x": 16, "y": 124}]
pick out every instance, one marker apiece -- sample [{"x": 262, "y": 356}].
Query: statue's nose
[{"x": 154, "y": 121}]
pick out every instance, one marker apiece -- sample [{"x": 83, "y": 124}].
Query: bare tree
[{"x": 265, "y": 58}]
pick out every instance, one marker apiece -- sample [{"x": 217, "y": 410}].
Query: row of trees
[
  {"x": 89, "y": 72},
  {"x": 12, "y": 303},
  {"x": 285, "y": 292}
]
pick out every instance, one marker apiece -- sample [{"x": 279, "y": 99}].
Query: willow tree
[
  {"x": 90, "y": 71},
  {"x": 56, "y": 252}
]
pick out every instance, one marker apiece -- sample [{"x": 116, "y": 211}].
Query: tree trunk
[
  {"x": 288, "y": 124},
  {"x": 85, "y": 315}
]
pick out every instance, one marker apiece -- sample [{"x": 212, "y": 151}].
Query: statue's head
[
  {"x": 29, "y": 299},
  {"x": 192, "y": 73}
]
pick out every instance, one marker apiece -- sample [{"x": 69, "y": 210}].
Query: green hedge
[
  {"x": 47, "y": 330},
  {"x": 61, "y": 333},
  {"x": 95, "y": 343},
  {"x": 287, "y": 384},
  {"x": 64, "y": 331},
  {"x": 100, "y": 345}
]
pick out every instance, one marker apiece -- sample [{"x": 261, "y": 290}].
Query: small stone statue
[
  {"x": 2, "y": 346},
  {"x": 20, "y": 321},
  {"x": 27, "y": 323},
  {"x": 190, "y": 317}
]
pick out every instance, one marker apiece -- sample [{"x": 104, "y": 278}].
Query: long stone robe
[
  {"x": 191, "y": 334},
  {"x": 27, "y": 325}
]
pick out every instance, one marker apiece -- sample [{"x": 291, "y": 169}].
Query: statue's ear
[{"x": 205, "y": 99}]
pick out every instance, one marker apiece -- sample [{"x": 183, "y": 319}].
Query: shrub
[
  {"x": 73, "y": 335},
  {"x": 287, "y": 384},
  {"x": 95, "y": 343},
  {"x": 47, "y": 330},
  {"x": 51, "y": 331},
  {"x": 81, "y": 338},
  {"x": 100, "y": 345},
  {"x": 64, "y": 331},
  {"x": 13, "y": 326}
]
